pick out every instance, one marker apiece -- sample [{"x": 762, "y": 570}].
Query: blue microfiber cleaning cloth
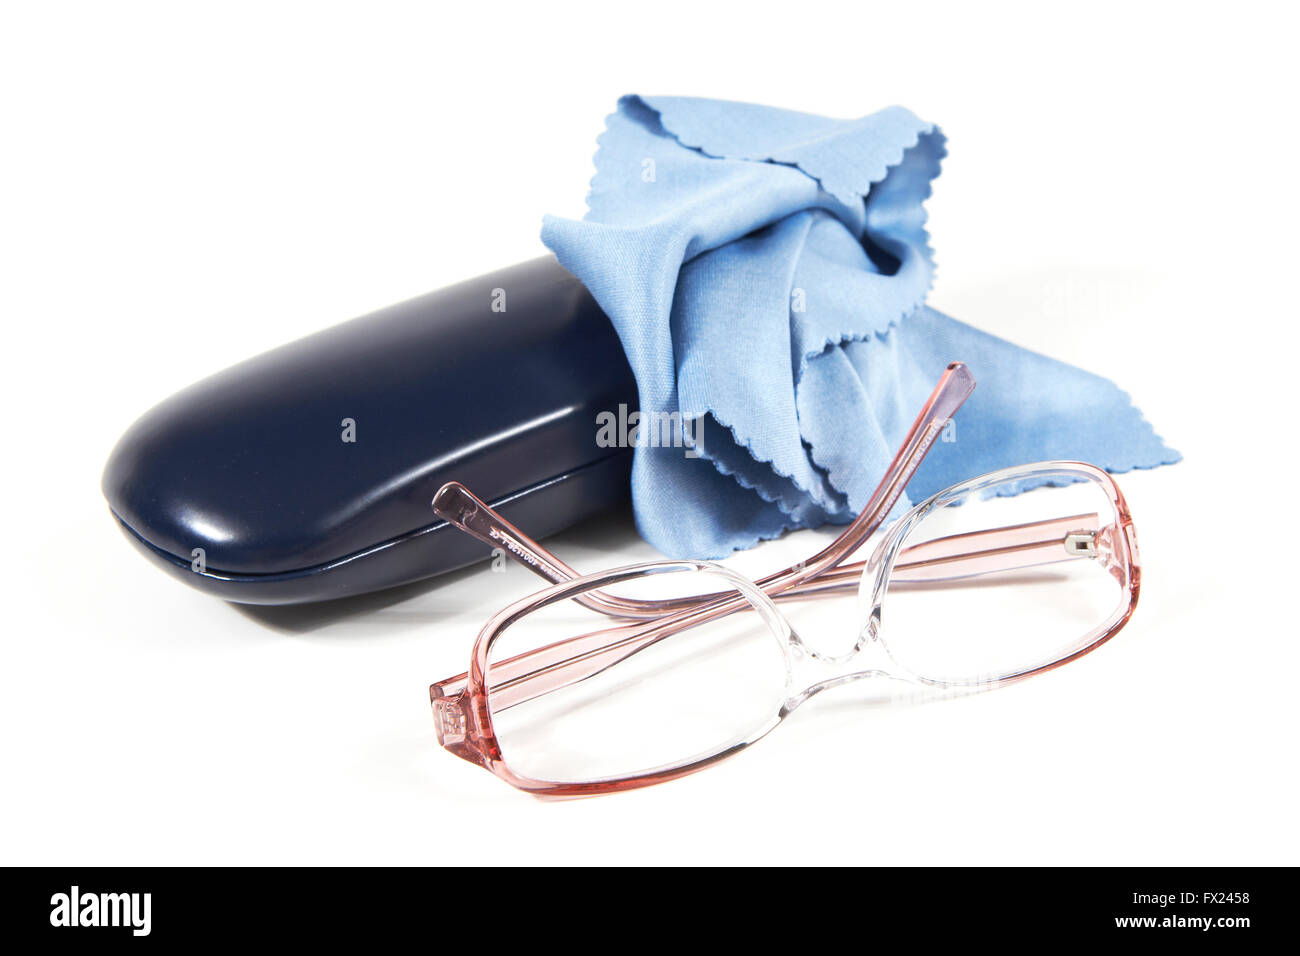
[{"x": 766, "y": 271}]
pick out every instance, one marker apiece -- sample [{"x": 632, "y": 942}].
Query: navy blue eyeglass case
[{"x": 246, "y": 486}]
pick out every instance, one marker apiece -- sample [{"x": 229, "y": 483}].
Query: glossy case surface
[{"x": 306, "y": 473}]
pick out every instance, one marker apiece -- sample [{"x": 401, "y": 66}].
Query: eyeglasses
[{"x": 641, "y": 674}]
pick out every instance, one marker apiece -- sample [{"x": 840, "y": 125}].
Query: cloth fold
[{"x": 766, "y": 272}]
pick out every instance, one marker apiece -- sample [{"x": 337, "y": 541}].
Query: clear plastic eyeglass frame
[{"x": 464, "y": 705}]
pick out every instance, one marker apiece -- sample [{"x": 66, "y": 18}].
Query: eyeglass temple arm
[
  {"x": 970, "y": 554},
  {"x": 457, "y": 504},
  {"x": 952, "y": 390},
  {"x": 460, "y": 506}
]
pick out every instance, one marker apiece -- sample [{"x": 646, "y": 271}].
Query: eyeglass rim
[
  {"x": 477, "y": 694},
  {"x": 1126, "y": 556}
]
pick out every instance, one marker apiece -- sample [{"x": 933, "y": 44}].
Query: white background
[{"x": 183, "y": 189}]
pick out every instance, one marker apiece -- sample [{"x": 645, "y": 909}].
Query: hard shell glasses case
[{"x": 246, "y": 486}]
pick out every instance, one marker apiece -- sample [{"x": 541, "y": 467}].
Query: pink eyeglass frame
[{"x": 462, "y": 715}]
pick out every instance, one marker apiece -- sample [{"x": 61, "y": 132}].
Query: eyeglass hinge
[
  {"x": 449, "y": 720},
  {"x": 1081, "y": 544}
]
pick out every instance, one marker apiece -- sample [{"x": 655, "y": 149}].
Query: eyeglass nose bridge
[{"x": 813, "y": 671}]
